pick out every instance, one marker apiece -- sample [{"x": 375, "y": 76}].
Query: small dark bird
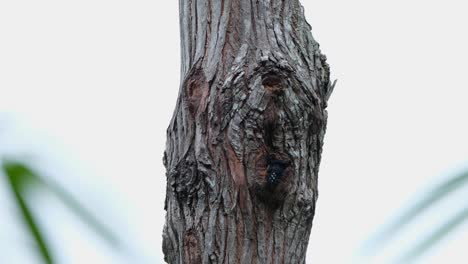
[{"x": 275, "y": 171}]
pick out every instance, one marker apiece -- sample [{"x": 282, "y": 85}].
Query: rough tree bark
[{"x": 254, "y": 91}]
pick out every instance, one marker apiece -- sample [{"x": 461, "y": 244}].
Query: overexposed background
[{"x": 87, "y": 89}]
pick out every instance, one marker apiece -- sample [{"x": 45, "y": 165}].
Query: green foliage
[{"x": 22, "y": 181}]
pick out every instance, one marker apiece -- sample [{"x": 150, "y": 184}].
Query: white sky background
[{"x": 87, "y": 89}]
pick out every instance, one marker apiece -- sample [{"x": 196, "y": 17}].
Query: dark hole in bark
[
  {"x": 272, "y": 83},
  {"x": 274, "y": 173},
  {"x": 271, "y": 80}
]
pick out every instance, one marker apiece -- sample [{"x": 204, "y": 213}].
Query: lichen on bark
[{"x": 254, "y": 87}]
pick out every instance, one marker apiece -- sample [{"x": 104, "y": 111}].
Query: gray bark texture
[{"x": 244, "y": 144}]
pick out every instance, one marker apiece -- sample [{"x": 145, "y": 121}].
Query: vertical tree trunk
[{"x": 244, "y": 144}]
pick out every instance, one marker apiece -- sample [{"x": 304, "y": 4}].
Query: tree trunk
[{"x": 244, "y": 144}]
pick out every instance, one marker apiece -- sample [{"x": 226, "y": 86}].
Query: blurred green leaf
[
  {"x": 20, "y": 175},
  {"x": 19, "y": 178},
  {"x": 436, "y": 236},
  {"x": 23, "y": 180},
  {"x": 84, "y": 215}
]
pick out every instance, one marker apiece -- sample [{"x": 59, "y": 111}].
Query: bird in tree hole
[{"x": 275, "y": 171}]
